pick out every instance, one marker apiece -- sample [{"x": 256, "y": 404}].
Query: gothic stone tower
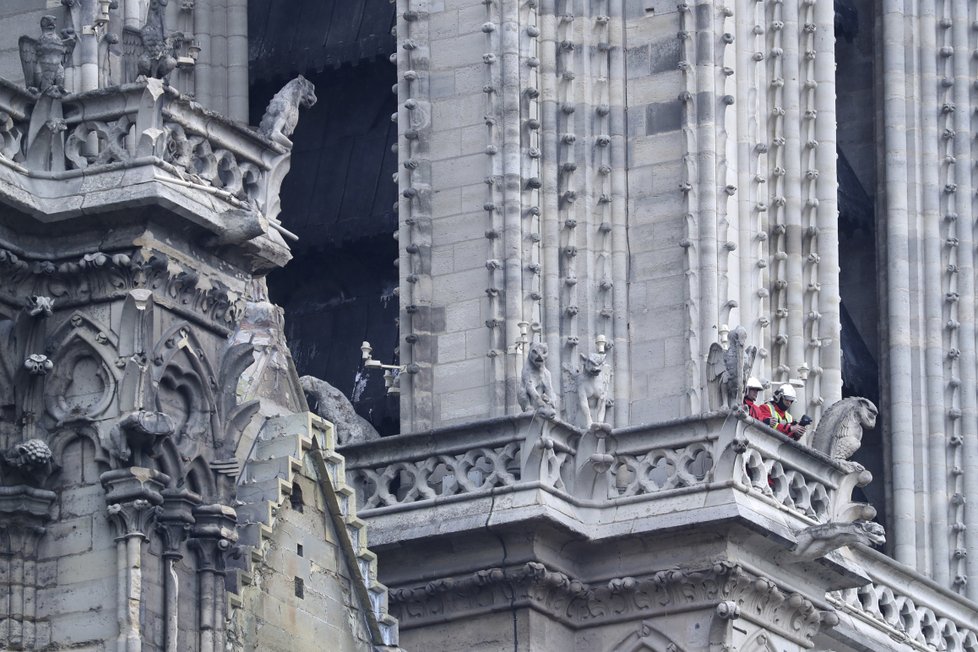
[
  {"x": 162, "y": 486},
  {"x": 604, "y": 206}
]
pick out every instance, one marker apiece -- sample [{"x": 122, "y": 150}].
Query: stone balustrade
[
  {"x": 141, "y": 142},
  {"x": 646, "y": 463},
  {"x": 705, "y": 470},
  {"x": 905, "y": 607}
]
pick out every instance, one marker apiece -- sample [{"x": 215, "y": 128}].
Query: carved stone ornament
[
  {"x": 282, "y": 114},
  {"x": 791, "y": 615},
  {"x": 103, "y": 275},
  {"x": 819, "y": 540},
  {"x": 28, "y": 462},
  {"x": 150, "y": 50},
  {"x": 331, "y": 404},
  {"x": 44, "y": 58},
  {"x": 536, "y": 391},
  {"x": 728, "y": 369},
  {"x": 592, "y": 382},
  {"x": 839, "y": 433},
  {"x": 137, "y": 434}
]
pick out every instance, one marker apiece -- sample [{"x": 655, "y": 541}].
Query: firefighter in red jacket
[
  {"x": 778, "y": 416},
  {"x": 754, "y": 409}
]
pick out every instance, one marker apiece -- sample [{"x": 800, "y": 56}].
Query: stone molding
[
  {"x": 100, "y": 276},
  {"x": 727, "y": 589}
]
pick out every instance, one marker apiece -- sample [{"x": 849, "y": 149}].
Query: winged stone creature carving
[
  {"x": 150, "y": 51},
  {"x": 728, "y": 369},
  {"x": 840, "y": 430},
  {"x": 44, "y": 58}
]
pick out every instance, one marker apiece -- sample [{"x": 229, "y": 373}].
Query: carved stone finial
[
  {"x": 536, "y": 391},
  {"x": 282, "y": 114},
  {"x": 44, "y": 58},
  {"x": 728, "y": 369},
  {"x": 840, "y": 430}
]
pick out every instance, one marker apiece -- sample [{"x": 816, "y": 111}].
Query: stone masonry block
[
  {"x": 459, "y": 286},
  {"x": 67, "y": 537},
  {"x": 663, "y": 116},
  {"x": 464, "y": 315},
  {"x": 464, "y": 404},
  {"x": 459, "y": 228},
  {"x": 95, "y": 565},
  {"x": 451, "y": 52},
  {"x": 462, "y": 171},
  {"x": 443, "y": 25},
  {"x": 451, "y": 347},
  {"x": 465, "y": 374},
  {"x": 458, "y": 111}
]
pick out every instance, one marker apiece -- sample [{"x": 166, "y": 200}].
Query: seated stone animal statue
[
  {"x": 536, "y": 391},
  {"x": 593, "y": 388},
  {"x": 282, "y": 114},
  {"x": 840, "y": 430}
]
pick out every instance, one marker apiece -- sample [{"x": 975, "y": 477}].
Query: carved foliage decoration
[
  {"x": 99, "y": 274},
  {"x": 724, "y": 589}
]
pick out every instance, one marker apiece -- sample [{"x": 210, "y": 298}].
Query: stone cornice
[
  {"x": 100, "y": 276},
  {"x": 727, "y": 589}
]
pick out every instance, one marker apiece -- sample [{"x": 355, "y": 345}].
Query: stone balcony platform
[
  {"x": 594, "y": 530},
  {"x": 141, "y": 147}
]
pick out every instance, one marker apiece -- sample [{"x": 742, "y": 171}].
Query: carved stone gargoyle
[
  {"x": 819, "y": 540},
  {"x": 136, "y": 434},
  {"x": 282, "y": 114},
  {"x": 151, "y": 51},
  {"x": 728, "y": 369},
  {"x": 839, "y": 433},
  {"x": 536, "y": 391},
  {"x": 592, "y": 385},
  {"x": 44, "y": 58}
]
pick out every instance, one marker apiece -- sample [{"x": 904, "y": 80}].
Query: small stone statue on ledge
[
  {"x": 536, "y": 391},
  {"x": 44, "y": 58},
  {"x": 728, "y": 369}
]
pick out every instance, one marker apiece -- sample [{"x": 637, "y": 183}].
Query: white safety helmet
[
  {"x": 787, "y": 391},
  {"x": 754, "y": 383}
]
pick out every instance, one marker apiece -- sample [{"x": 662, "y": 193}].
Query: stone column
[
  {"x": 212, "y": 537},
  {"x": 133, "y": 495},
  {"x": 174, "y": 522},
  {"x": 23, "y": 513}
]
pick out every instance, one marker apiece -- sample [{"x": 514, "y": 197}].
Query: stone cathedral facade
[{"x": 609, "y": 214}]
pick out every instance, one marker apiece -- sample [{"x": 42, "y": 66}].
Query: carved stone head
[
  {"x": 537, "y": 355},
  {"x": 593, "y": 363},
  {"x": 49, "y": 23}
]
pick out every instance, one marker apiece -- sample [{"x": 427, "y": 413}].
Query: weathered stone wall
[{"x": 304, "y": 598}]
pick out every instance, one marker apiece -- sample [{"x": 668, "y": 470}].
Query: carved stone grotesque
[
  {"x": 593, "y": 385},
  {"x": 330, "y": 403},
  {"x": 536, "y": 392},
  {"x": 819, "y": 540},
  {"x": 728, "y": 369},
  {"x": 282, "y": 114},
  {"x": 38, "y": 306},
  {"x": 44, "y": 58},
  {"x": 30, "y": 457},
  {"x": 840, "y": 430},
  {"x": 138, "y": 432},
  {"x": 151, "y": 48}
]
